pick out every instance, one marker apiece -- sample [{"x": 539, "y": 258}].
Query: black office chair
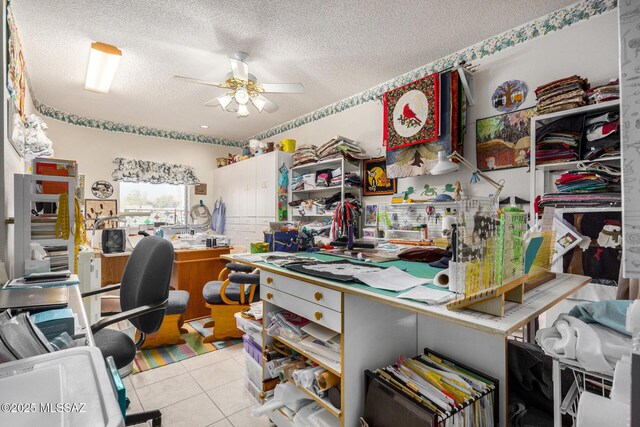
[{"x": 144, "y": 293}]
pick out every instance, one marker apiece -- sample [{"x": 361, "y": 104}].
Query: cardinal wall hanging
[
  {"x": 412, "y": 113},
  {"x": 418, "y": 155}
]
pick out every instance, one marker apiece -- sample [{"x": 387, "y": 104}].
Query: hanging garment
[{"x": 218, "y": 217}]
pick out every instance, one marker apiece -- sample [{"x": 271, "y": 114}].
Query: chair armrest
[
  {"x": 101, "y": 290},
  {"x": 125, "y": 315}
]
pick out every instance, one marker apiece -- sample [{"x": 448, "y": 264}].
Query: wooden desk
[
  {"x": 112, "y": 267},
  {"x": 192, "y": 269},
  {"x": 377, "y": 326}
]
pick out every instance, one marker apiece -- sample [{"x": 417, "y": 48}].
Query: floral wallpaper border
[
  {"x": 547, "y": 24},
  {"x": 110, "y": 126}
]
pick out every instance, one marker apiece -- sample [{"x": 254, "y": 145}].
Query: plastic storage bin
[
  {"x": 256, "y": 392},
  {"x": 252, "y": 349},
  {"x": 73, "y": 376},
  {"x": 253, "y": 369},
  {"x": 252, "y": 328}
]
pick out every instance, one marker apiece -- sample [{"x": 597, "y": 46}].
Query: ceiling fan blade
[
  {"x": 240, "y": 69},
  {"x": 282, "y": 87},
  {"x": 197, "y": 81},
  {"x": 212, "y": 103},
  {"x": 262, "y": 103}
]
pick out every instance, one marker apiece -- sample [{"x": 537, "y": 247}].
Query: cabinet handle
[
  {"x": 269, "y": 280},
  {"x": 318, "y": 315},
  {"x": 269, "y": 295},
  {"x": 318, "y": 296}
]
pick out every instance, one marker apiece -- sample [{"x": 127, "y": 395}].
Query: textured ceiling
[{"x": 336, "y": 48}]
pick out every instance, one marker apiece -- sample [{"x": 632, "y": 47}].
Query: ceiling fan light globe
[
  {"x": 225, "y": 101},
  {"x": 242, "y": 96},
  {"x": 258, "y": 103},
  {"x": 243, "y": 110}
]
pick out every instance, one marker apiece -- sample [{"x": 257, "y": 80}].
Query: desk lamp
[
  {"x": 118, "y": 217},
  {"x": 445, "y": 165}
]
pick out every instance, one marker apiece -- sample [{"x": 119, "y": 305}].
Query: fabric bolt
[{"x": 612, "y": 314}]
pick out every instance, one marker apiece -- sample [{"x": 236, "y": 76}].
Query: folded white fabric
[
  {"x": 621, "y": 390},
  {"x": 598, "y": 411},
  {"x": 595, "y": 347}
]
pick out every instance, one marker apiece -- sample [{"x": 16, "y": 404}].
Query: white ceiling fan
[{"x": 244, "y": 87}]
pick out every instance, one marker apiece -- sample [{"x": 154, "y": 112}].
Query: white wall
[
  {"x": 589, "y": 49},
  {"x": 95, "y": 150}
]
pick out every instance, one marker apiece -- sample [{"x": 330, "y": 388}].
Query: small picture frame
[
  {"x": 100, "y": 208},
  {"x": 371, "y": 216},
  {"x": 376, "y": 182}
]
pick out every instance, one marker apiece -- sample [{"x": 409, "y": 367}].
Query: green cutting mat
[{"x": 417, "y": 269}]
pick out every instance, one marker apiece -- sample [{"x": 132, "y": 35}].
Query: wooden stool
[{"x": 171, "y": 327}]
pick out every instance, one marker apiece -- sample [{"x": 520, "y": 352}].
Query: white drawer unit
[
  {"x": 316, "y": 294},
  {"x": 316, "y": 313}
]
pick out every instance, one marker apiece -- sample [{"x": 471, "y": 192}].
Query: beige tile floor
[{"x": 206, "y": 390}]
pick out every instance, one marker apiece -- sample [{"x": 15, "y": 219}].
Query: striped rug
[{"x": 150, "y": 358}]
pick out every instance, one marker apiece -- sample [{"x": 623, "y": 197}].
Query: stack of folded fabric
[
  {"x": 604, "y": 93},
  {"x": 297, "y": 183},
  {"x": 567, "y": 200},
  {"x": 304, "y": 155},
  {"x": 340, "y": 146},
  {"x": 603, "y": 136},
  {"x": 324, "y": 178},
  {"x": 557, "y": 146},
  {"x": 563, "y": 94},
  {"x": 587, "y": 181}
]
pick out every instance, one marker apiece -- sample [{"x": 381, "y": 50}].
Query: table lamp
[{"x": 445, "y": 165}]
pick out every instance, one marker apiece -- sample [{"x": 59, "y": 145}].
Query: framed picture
[
  {"x": 102, "y": 189},
  {"x": 412, "y": 113},
  {"x": 96, "y": 208},
  {"x": 376, "y": 182},
  {"x": 502, "y": 141},
  {"x": 371, "y": 216}
]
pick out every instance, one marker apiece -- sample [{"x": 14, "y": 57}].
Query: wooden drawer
[
  {"x": 316, "y": 294},
  {"x": 314, "y": 312}
]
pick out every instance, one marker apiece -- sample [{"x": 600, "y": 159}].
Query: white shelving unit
[
  {"x": 304, "y": 194},
  {"x": 26, "y": 196},
  {"x": 543, "y": 176}
]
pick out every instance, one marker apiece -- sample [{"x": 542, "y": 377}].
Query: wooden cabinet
[
  {"x": 192, "y": 269},
  {"x": 250, "y": 191}
]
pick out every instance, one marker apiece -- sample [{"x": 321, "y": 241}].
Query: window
[{"x": 166, "y": 202}]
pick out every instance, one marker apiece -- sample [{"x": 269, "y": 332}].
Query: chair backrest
[{"x": 146, "y": 281}]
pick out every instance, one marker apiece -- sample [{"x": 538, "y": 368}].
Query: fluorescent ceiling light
[
  {"x": 103, "y": 63},
  {"x": 204, "y": 126},
  {"x": 258, "y": 103},
  {"x": 243, "y": 110},
  {"x": 224, "y": 101}
]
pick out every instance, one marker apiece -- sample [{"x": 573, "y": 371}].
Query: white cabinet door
[
  {"x": 266, "y": 185},
  {"x": 247, "y": 195}
]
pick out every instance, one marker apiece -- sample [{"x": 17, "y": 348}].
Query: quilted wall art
[
  {"x": 412, "y": 113},
  {"x": 419, "y": 158}
]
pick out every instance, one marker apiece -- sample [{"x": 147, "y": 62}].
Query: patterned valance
[{"x": 129, "y": 170}]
